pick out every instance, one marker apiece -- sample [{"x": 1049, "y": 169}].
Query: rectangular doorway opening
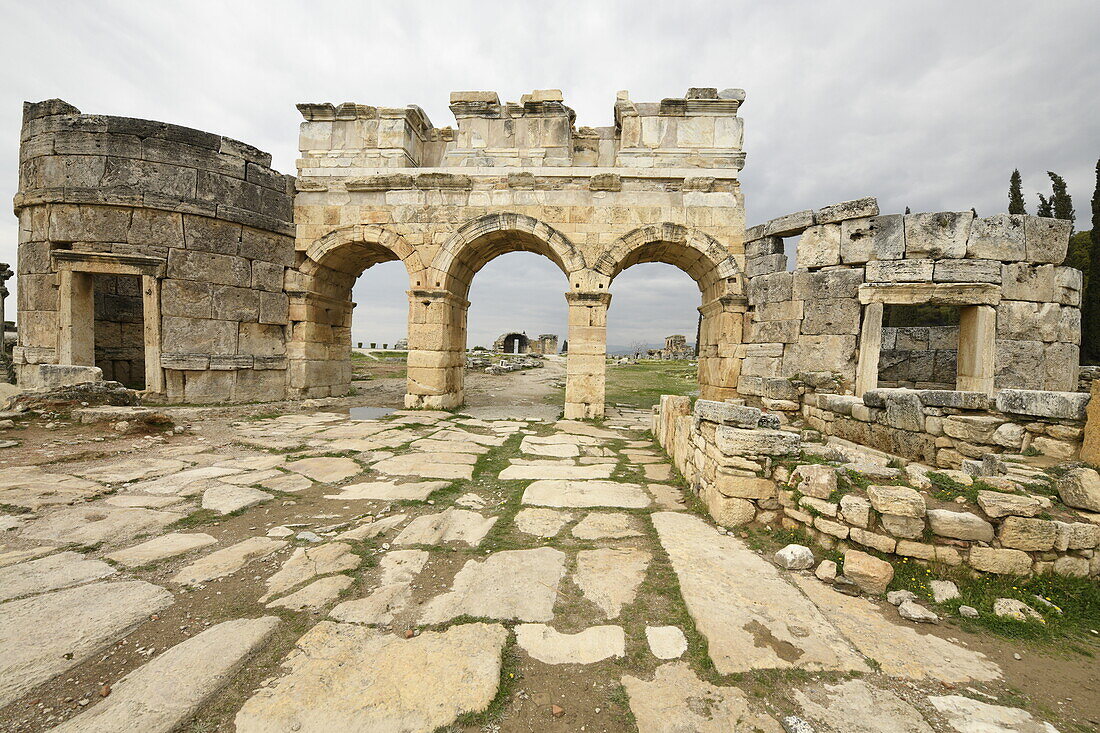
[
  {"x": 119, "y": 328},
  {"x": 920, "y": 345}
]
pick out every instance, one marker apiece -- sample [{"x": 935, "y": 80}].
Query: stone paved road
[{"x": 431, "y": 570}]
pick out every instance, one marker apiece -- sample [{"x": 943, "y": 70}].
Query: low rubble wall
[{"x": 744, "y": 469}]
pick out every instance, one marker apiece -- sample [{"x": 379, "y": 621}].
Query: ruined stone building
[
  {"x": 515, "y": 342},
  {"x": 180, "y": 263},
  {"x": 676, "y": 347}
]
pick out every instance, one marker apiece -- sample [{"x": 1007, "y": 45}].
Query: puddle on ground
[{"x": 370, "y": 413}]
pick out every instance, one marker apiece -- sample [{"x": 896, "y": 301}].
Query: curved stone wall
[{"x": 202, "y": 219}]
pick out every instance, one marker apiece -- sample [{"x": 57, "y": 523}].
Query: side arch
[
  {"x": 356, "y": 247},
  {"x": 480, "y": 240}
]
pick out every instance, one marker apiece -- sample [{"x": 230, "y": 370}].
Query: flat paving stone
[
  {"x": 159, "y": 696},
  {"x": 669, "y": 498},
  {"x": 657, "y": 471},
  {"x": 290, "y": 483},
  {"x": 306, "y": 563},
  {"x": 46, "y": 634},
  {"x": 326, "y": 469},
  {"x": 541, "y": 522},
  {"x": 191, "y": 482},
  {"x": 592, "y": 645},
  {"x": 676, "y": 701},
  {"x": 222, "y": 562},
  {"x": 583, "y": 428},
  {"x": 607, "y": 525},
  {"x": 252, "y": 463},
  {"x": 389, "y": 491},
  {"x": 464, "y": 436},
  {"x": 226, "y": 499},
  {"x": 133, "y": 469},
  {"x": 316, "y": 595},
  {"x": 344, "y": 677},
  {"x": 666, "y": 642},
  {"x": 552, "y": 471},
  {"x": 92, "y": 525},
  {"x": 514, "y": 584},
  {"x": 33, "y": 487},
  {"x": 431, "y": 445},
  {"x": 857, "y": 707},
  {"x": 143, "y": 501},
  {"x": 973, "y": 716},
  {"x": 583, "y": 494},
  {"x": 610, "y": 578},
  {"x": 901, "y": 651},
  {"x": 537, "y": 447},
  {"x": 159, "y": 548},
  {"x": 450, "y": 525},
  {"x": 50, "y": 573},
  {"x": 399, "y": 569},
  {"x": 11, "y": 557},
  {"x": 429, "y": 465},
  {"x": 750, "y": 615},
  {"x": 368, "y": 530},
  {"x": 248, "y": 478}
]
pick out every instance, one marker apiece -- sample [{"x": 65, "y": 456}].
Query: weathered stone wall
[
  {"x": 208, "y": 209},
  {"x": 743, "y": 472},
  {"x": 919, "y": 357},
  {"x": 851, "y": 260}
]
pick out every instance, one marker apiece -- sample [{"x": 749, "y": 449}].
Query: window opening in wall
[{"x": 919, "y": 346}]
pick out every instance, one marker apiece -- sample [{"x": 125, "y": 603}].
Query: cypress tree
[
  {"x": 1060, "y": 200},
  {"x": 1016, "y": 194},
  {"x": 1046, "y": 207},
  {"x": 1090, "y": 302}
]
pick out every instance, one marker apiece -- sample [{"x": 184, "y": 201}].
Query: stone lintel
[
  {"x": 935, "y": 293},
  {"x": 108, "y": 263}
]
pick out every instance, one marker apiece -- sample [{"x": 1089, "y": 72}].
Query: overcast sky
[{"x": 923, "y": 104}]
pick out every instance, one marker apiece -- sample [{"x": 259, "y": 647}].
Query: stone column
[
  {"x": 720, "y": 333},
  {"x": 586, "y": 362},
  {"x": 437, "y": 349},
  {"x": 154, "y": 374},
  {"x": 977, "y": 348},
  {"x": 76, "y": 340},
  {"x": 5, "y": 275},
  {"x": 870, "y": 346}
]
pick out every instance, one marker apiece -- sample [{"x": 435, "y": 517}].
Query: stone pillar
[
  {"x": 76, "y": 338},
  {"x": 5, "y": 275},
  {"x": 437, "y": 349},
  {"x": 586, "y": 362},
  {"x": 977, "y": 348},
  {"x": 720, "y": 333},
  {"x": 154, "y": 374},
  {"x": 870, "y": 346}
]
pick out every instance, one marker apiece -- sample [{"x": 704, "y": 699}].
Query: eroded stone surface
[
  {"x": 399, "y": 569},
  {"x": 429, "y": 465},
  {"x": 676, "y": 700},
  {"x": 857, "y": 707},
  {"x": 226, "y": 499},
  {"x": 389, "y": 491},
  {"x": 607, "y": 525},
  {"x": 580, "y": 494},
  {"x": 50, "y": 573},
  {"x": 92, "y": 525},
  {"x": 157, "y": 697},
  {"x": 556, "y": 471},
  {"x": 306, "y": 563},
  {"x": 450, "y": 525},
  {"x": 973, "y": 716},
  {"x": 325, "y": 469},
  {"x": 751, "y": 617},
  {"x": 515, "y": 584},
  {"x": 158, "y": 548},
  {"x": 610, "y": 578},
  {"x": 316, "y": 595},
  {"x": 666, "y": 642},
  {"x": 228, "y": 560},
  {"x": 592, "y": 645},
  {"x": 348, "y": 677},
  {"x": 541, "y": 522}
]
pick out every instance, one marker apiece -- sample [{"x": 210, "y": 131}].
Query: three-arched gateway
[
  {"x": 383, "y": 184},
  {"x": 242, "y": 277}
]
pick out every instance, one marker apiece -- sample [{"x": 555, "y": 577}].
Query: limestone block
[
  {"x": 187, "y": 298},
  {"x": 765, "y": 265},
  {"x": 904, "y": 411},
  {"x": 728, "y": 511},
  {"x": 209, "y": 267},
  {"x": 72, "y": 223},
  {"x": 763, "y": 247},
  {"x": 1068, "y": 284},
  {"x": 51, "y": 376},
  {"x": 1037, "y": 403},
  {"x": 819, "y": 246},
  {"x": 967, "y": 271},
  {"x": 726, "y": 413},
  {"x": 1080, "y": 489},
  {"x": 959, "y": 525},
  {"x": 211, "y": 235},
  {"x": 868, "y": 572},
  {"x": 1020, "y": 364},
  {"x": 259, "y": 339},
  {"x": 922, "y": 550},
  {"x": 908, "y": 270},
  {"x": 939, "y": 235},
  {"x": 1021, "y": 281},
  {"x": 772, "y": 288},
  {"x": 833, "y": 353},
  {"x": 831, "y": 317},
  {"x": 1021, "y": 320},
  {"x": 833, "y": 529},
  {"x": 743, "y": 487},
  {"x": 857, "y": 241},
  {"x": 1003, "y": 562},
  {"x": 815, "y": 480},
  {"x": 1046, "y": 240},
  {"x": 273, "y": 308},
  {"x": 905, "y": 527},
  {"x": 855, "y": 510},
  {"x": 879, "y": 542},
  {"x": 998, "y": 504},
  {"x": 896, "y": 500},
  {"x": 1025, "y": 533},
  {"x": 790, "y": 225},
  {"x": 741, "y": 442},
  {"x": 828, "y": 284},
  {"x": 1090, "y": 446},
  {"x": 854, "y": 209},
  {"x": 1077, "y": 567},
  {"x": 1077, "y": 536},
  {"x": 235, "y": 304},
  {"x": 972, "y": 428},
  {"x": 888, "y": 236},
  {"x": 199, "y": 335},
  {"x": 775, "y": 332},
  {"x": 957, "y": 399},
  {"x": 999, "y": 237}
]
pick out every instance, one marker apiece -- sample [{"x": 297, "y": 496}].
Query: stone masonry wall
[
  {"x": 744, "y": 470},
  {"x": 209, "y": 208}
]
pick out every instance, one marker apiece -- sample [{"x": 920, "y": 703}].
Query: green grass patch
[{"x": 641, "y": 384}]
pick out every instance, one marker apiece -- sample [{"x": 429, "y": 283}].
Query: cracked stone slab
[
  {"x": 344, "y": 677},
  {"x": 540, "y": 447},
  {"x": 464, "y": 436},
  {"x": 399, "y": 569},
  {"x": 368, "y": 530},
  {"x": 143, "y": 501},
  {"x": 582, "y": 428},
  {"x": 226, "y": 498},
  {"x": 252, "y": 463},
  {"x": 514, "y": 584},
  {"x": 431, "y": 445},
  {"x": 857, "y": 707},
  {"x": 290, "y": 483},
  {"x": 316, "y": 595},
  {"x": 228, "y": 560},
  {"x": 161, "y": 695},
  {"x": 450, "y": 525},
  {"x": 607, "y": 525},
  {"x": 158, "y": 548},
  {"x": 134, "y": 469},
  {"x": 91, "y": 525},
  {"x": 184, "y": 483},
  {"x": 32, "y": 487},
  {"x": 751, "y": 616},
  {"x": 556, "y": 470},
  {"x": 325, "y": 469},
  {"x": 50, "y": 573},
  {"x": 429, "y": 465},
  {"x": 610, "y": 578},
  {"x": 592, "y": 645},
  {"x": 669, "y": 498},
  {"x": 973, "y": 716},
  {"x": 583, "y": 494},
  {"x": 389, "y": 491},
  {"x": 306, "y": 563},
  {"x": 38, "y": 633},
  {"x": 901, "y": 651},
  {"x": 676, "y": 700},
  {"x": 541, "y": 522}
]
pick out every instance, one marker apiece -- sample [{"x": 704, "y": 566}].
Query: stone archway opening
[{"x": 513, "y": 343}]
